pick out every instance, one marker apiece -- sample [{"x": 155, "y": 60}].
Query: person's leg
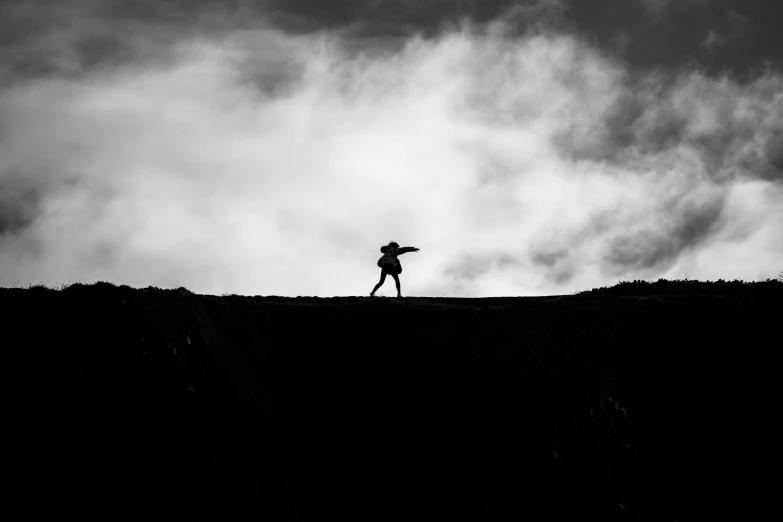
[
  {"x": 397, "y": 282},
  {"x": 383, "y": 278}
]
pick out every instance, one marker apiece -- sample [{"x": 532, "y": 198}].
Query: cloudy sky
[{"x": 270, "y": 147}]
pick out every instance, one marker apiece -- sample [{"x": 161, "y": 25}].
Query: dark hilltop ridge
[{"x": 643, "y": 401}]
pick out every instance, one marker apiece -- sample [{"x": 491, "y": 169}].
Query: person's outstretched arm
[{"x": 406, "y": 249}]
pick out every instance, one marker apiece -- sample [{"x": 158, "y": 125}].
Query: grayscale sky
[{"x": 271, "y": 147}]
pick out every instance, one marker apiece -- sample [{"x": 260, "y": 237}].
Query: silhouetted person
[{"x": 391, "y": 265}]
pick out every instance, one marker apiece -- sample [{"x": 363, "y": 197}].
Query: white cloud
[{"x": 257, "y": 162}]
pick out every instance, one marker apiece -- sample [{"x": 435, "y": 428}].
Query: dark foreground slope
[{"x": 616, "y": 404}]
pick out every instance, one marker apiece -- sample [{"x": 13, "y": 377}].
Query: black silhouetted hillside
[{"x": 636, "y": 402}]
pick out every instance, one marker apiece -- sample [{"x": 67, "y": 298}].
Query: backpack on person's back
[{"x": 389, "y": 256}]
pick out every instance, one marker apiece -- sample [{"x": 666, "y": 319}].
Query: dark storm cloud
[
  {"x": 721, "y": 123},
  {"x": 619, "y": 131},
  {"x": 74, "y": 37},
  {"x": 549, "y": 258},
  {"x": 19, "y": 205},
  {"x": 557, "y": 264},
  {"x": 469, "y": 267},
  {"x": 714, "y": 35},
  {"x": 561, "y": 275},
  {"x": 736, "y": 26},
  {"x": 773, "y": 152},
  {"x": 687, "y": 223},
  {"x": 391, "y": 17},
  {"x": 663, "y": 9},
  {"x": 71, "y": 38}
]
